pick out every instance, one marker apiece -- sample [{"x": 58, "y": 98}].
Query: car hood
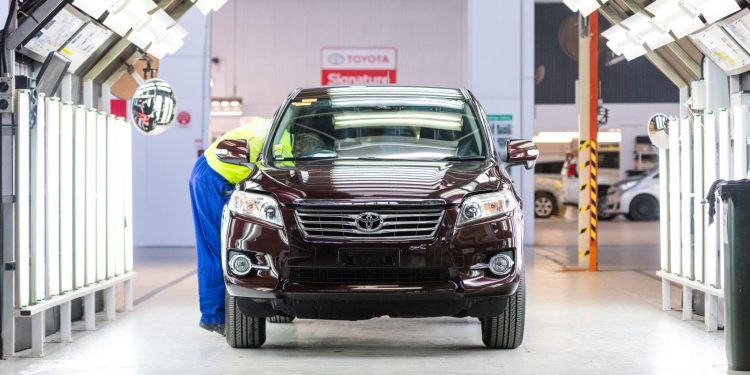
[{"x": 369, "y": 179}]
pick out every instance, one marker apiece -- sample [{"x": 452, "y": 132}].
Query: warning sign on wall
[{"x": 358, "y": 66}]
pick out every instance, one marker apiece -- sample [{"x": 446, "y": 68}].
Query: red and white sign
[
  {"x": 358, "y": 66},
  {"x": 183, "y": 118}
]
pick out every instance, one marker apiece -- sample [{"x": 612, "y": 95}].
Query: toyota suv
[{"x": 376, "y": 201}]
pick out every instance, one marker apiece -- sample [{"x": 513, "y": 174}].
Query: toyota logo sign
[
  {"x": 369, "y": 222},
  {"x": 336, "y": 59}
]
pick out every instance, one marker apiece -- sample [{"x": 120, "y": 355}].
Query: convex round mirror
[
  {"x": 153, "y": 107},
  {"x": 658, "y": 131}
]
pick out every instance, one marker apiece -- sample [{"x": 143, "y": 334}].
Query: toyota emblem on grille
[{"x": 368, "y": 222}]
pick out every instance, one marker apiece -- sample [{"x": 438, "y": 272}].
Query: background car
[
  {"x": 636, "y": 197},
  {"x": 547, "y": 188},
  {"x": 609, "y": 174}
]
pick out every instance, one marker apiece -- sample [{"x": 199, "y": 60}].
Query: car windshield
[{"x": 379, "y": 123}]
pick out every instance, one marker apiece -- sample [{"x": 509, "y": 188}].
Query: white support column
[
  {"x": 687, "y": 303},
  {"x": 666, "y": 295},
  {"x": 65, "y": 323},
  {"x": 109, "y": 303},
  {"x": 89, "y": 312},
  {"x": 128, "y": 294},
  {"x": 710, "y": 174},
  {"x": 37, "y": 335}
]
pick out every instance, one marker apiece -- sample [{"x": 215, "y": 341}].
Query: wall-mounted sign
[
  {"x": 358, "y": 66},
  {"x": 183, "y": 118}
]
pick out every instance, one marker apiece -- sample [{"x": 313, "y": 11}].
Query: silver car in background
[
  {"x": 636, "y": 197},
  {"x": 548, "y": 192}
]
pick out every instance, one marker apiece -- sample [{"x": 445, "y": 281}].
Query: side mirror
[
  {"x": 233, "y": 151},
  {"x": 520, "y": 152}
]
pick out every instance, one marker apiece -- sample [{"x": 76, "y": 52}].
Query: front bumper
[{"x": 462, "y": 292}]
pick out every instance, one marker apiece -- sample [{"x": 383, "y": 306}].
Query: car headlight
[
  {"x": 256, "y": 206},
  {"x": 482, "y": 206},
  {"x": 627, "y": 185}
]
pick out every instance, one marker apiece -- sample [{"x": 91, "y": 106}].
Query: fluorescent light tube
[
  {"x": 66, "y": 196},
  {"x": 79, "y": 195},
  {"x": 91, "y": 204},
  {"x": 101, "y": 196},
  {"x": 23, "y": 198},
  {"x": 38, "y": 205},
  {"x": 53, "y": 196}
]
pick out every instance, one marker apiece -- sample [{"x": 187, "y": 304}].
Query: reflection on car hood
[{"x": 369, "y": 179}]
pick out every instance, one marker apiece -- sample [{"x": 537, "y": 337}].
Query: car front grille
[
  {"x": 368, "y": 276},
  {"x": 397, "y": 223}
]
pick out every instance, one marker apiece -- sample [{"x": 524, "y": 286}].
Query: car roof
[{"x": 391, "y": 90}]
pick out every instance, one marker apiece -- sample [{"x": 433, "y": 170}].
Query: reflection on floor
[{"x": 581, "y": 323}]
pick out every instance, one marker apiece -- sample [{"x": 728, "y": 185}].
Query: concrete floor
[{"x": 582, "y": 323}]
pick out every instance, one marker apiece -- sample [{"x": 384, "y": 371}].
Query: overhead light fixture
[
  {"x": 226, "y": 107},
  {"x": 128, "y": 14},
  {"x": 643, "y": 28},
  {"x": 168, "y": 42},
  {"x": 585, "y": 7},
  {"x": 722, "y": 49},
  {"x": 206, "y": 6},
  {"x": 675, "y": 16},
  {"x": 94, "y": 8},
  {"x": 738, "y": 26},
  {"x": 712, "y": 10},
  {"x": 622, "y": 43},
  {"x": 156, "y": 25}
]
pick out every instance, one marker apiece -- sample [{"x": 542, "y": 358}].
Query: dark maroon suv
[{"x": 376, "y": 201}]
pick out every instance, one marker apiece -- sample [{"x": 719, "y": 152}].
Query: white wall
[
  {"x": 162, "y": 164},
  {"x": 270, "y": 47}
]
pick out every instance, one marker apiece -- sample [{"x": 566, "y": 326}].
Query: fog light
[
  {"x": 240, "y": 264},
  {"x": 500, "y": 264}
]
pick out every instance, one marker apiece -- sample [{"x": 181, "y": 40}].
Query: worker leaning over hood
[{"x": 211, "y": 184}]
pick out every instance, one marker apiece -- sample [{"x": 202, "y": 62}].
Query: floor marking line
[{"x": 168, "y": 285}]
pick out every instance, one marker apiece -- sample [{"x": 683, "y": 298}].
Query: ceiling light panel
[
  {"x": 94, "y": 8},
  {"x": 712, "y": 10},
  {"x": 622, "y": 43},
  {"x": 643, "y": 28},
  {"x": 674, "y": 16},
  {"x": 585, "y": 7},
  {"x": 157, "y": 24},
  {"x": 128, "y": 14}
]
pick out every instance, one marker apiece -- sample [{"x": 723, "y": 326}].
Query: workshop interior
[{"x": 370, "y": 186}]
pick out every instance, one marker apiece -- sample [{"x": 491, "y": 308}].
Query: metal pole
[{"x": 588, "y": 104}]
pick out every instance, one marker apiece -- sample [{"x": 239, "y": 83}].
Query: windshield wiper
[
  {"x": 463, "y": 158},
  {"x": 306, "y": 158}
]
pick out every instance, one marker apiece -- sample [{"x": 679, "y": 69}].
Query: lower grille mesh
[{"x": 368, "y": 275}]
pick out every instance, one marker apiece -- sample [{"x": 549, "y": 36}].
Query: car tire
[
  {"x": 545, "y": 205},
  {"x": 281, "y": 319},
  {"x": 505, "y": 331},
  {"x": 243, "y": 331},
  {"x": 644, "y": 208}
]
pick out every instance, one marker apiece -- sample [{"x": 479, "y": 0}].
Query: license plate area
[{"x": 364, "y": 257}]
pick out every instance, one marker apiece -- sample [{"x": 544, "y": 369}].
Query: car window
[
  {"x": 379, "y": 127},
  {"x": 609, "y": 159},
  {"x": 549, "y": 167}
]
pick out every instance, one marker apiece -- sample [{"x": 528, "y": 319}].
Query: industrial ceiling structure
[{"x": 675, "y": 35}]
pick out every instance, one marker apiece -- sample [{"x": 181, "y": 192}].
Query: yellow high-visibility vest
[{"x": 255, "y": 134}]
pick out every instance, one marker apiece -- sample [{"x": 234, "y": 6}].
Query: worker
[{"x": 211, "y": 185}]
